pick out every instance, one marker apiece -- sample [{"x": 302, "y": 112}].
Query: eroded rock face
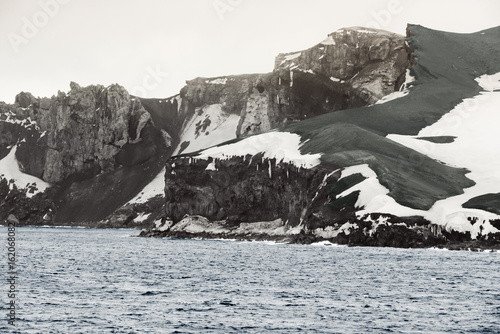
[
  {"x": 79, "y": 132},
  {"x": 30, "y": 209},
  {"x": 82, "y": 131},
  {"x": 257, "y": 198},
  {"x": 368, "y": 63},
  {"x": 90, "y": 133},
  {"x": 239, "y": 189}
]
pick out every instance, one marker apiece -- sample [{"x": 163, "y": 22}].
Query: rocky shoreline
[{"x": 353, "y": 234}]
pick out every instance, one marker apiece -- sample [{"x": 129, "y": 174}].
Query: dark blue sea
[{"x": 73, "y": 280}]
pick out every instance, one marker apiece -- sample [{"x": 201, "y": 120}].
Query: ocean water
[{"x": 74, "y": 280}]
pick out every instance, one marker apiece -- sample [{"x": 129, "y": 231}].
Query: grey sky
[{"x": 151, "y": 47}]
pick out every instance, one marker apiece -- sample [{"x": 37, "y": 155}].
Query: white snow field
[{"x": 154, "y": 188}]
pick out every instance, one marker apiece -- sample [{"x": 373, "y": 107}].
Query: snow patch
[
  {"x": 154, "y": 188},
  {"x": 208, "y": 126},
  {"x": 489, "y": 82},
  {"x": 9, "y": 168},
  {"x": 211, "y": 166},
  {"x": 291, "y": 57},
  {"x": 330, "y": 232},
  {"x": 284, "y": 146},
  {"x": 218, "y": 81},
  {"x": 392, "y": 96},
  {"x": 328, "y": 41},
  {"x": 141, "y": 217},
  {"x": 403, "y": 91},
  {"x": 306, "y": 71},
  {"x": 364, "y": 31},
  {"x": 464, "y": 222},
  {"x": 373, "y": 197},
  {"x": 26, "y": 122}
]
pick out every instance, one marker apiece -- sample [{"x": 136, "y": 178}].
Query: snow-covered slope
[
  {"x": 9, "y": 169},
  {"x": 153, "y": 189},
  {"x": 475, "y": 144},
  {"x": 208, "y": 126},
  {"x": 282, "y": 146}
]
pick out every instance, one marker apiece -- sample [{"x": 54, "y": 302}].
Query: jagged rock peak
[
  {"x": 79, "y": 131},
  {"x": 25, "y": 99}
]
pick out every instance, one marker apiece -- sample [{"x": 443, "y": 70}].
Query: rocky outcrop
[
  {"x": 366, "y": 63},
  {"x": 30, "y": 208},
  {"x": 408, "y": 232},
  {"x": 81, "y": 141},
  {"x": 82, "y": 131}
]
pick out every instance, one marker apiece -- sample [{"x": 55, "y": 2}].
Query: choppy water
[{"x": 104, "y": 281}]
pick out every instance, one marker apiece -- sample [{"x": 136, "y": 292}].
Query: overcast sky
[{"x": 152, "y": 47}]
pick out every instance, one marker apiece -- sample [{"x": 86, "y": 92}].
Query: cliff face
[
  {"x": 257, "y": 198},
  {"x": 239, "y": 189},
  {"x": 84, "y": 131},
  {"x": 253, "y": 197},
  {"x": 366, "y": 63},
  {"x": 80, "y": 142}
]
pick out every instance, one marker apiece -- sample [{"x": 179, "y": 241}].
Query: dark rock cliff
[
  {"x": 239, "y": 189},
  {"x": 83, "y": 132},
  {"x": 366, "y": 64},
  {"x": 253, "y": 197}
]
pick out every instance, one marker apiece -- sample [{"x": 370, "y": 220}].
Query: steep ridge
[{"x": 376, "y": 190}]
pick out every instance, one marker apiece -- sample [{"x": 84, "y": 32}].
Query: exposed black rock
[
  {"x": 239, "y": 189},
  {"x": 487, "y": 202},
  {"x": 29, "y": 208}
]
